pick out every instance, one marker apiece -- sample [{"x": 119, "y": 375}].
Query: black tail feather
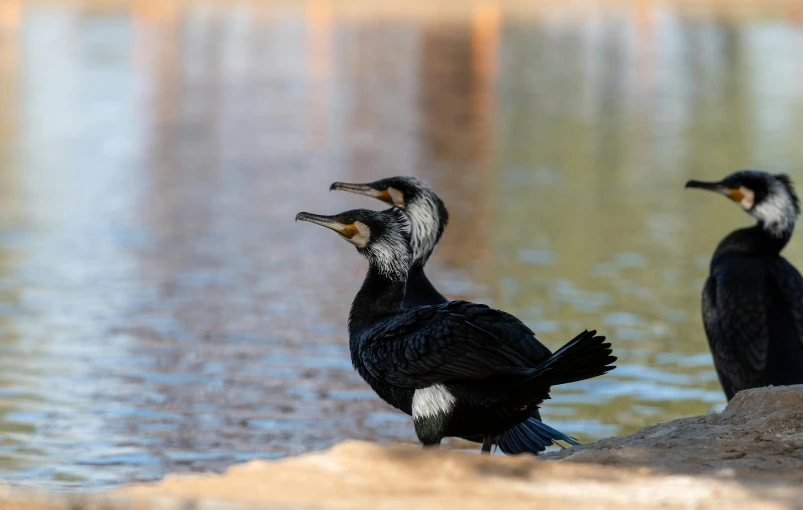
[
  {"x": 531, "y": 436},
  {"x": 584, "y": 357},
  {"x": 553, "y": 434},
  {"x": 514, "y": 441}
]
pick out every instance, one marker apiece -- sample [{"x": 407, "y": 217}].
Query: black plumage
[
  {"x": 753, "y": 298},
  {"x": 428, "y": 218},
  {"x": 421, "y": 291},
  {"x": 471, "y": 370}
]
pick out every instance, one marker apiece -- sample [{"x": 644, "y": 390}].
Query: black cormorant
[
  {"x": 428, "y": 218},
  {"x": 753, "y": 298},
  {"x": 459, "y": 368}
]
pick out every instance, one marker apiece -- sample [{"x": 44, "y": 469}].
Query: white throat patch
[
  {"x": 748, "y": 198},
  {"x": 776, "y": 212},
  {"x": 431, "y": 401},
  {"x": 390, "y": 254},
  {"x": 397, "y": 197},
  {"x": 423, "y": 212},
  {"x": 363, "y": 235}
]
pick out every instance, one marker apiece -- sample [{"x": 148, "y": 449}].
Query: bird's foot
[{"x": 487, "y": 442}]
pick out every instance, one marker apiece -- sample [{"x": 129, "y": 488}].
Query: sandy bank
[{"x": 749, "y": 456}]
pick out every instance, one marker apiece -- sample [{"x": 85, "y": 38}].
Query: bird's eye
[
  {"x": 351, "y": 219},
  {"x": 383, "y": 187}
]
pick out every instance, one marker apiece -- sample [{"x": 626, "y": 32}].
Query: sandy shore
[{"x": 748, "y": 457}]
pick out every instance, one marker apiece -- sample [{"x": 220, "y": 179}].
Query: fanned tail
[
  {"x": 531, "y": 436},
  {"x": 584, "y": 357}
]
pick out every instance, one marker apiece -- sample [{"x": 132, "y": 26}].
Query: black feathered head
[
  {"x": 383, "y": 237},
  {"x": 770, "y": 199}
]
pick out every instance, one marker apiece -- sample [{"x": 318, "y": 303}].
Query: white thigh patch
[{"x": 428, "y": 402}]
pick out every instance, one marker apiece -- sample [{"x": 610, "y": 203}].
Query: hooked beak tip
[
  {"x": 710, "y": 186},
  {"x": 359, "y": 189}
]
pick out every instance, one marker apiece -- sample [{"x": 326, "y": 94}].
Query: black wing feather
[
  {"x": 753, "y": 316},
  {"x": 735, "y": 318},
  {"x": 435, "y": 345},
  {"x": 789, "y": 283},
  {"x": 505, "y": 327}
]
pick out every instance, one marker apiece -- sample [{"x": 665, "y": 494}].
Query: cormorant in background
[
  {"x": 471, "y": 370},
  {"x": 753, "y": 298},
  {"x": 428, "y": 218}
]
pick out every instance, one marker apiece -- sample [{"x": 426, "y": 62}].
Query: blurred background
[{"x": 160, "y": 310}]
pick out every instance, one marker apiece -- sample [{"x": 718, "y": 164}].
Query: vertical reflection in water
[
  {"x": 71, "y": 233},
  {"x": 10, "y": 13},
  {"x": 477, "y": 218},
  {"x": 378, "y": 89},
  {"x": 457, "y": 79},
  {"x": 9, "y": 218},
  {"x": 775, "y": 83},
  {"x": 319, "y": 24},
  {"x": 9, "y": 62}
]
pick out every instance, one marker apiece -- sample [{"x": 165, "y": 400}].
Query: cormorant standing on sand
[
  {"x": 428, "y": 218},
  {"x": 753, "y": 298},
  {"x": 471, "y": 370}
]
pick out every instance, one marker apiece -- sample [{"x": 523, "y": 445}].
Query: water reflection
[{"x": 159, "y": 310}]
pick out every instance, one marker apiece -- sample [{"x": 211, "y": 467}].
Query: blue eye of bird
[
  {"x": 351, "y": 219},
  {"x": 383, "y": 187}
]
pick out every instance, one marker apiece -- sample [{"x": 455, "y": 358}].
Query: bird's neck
[
  {"x": 420, "y": 290},
  {"x": 380, "y": 296},
  {"x": 755, "y": 240},
  {"x": 429, "y": 217}
]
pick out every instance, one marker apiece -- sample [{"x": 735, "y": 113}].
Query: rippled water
[{"x": 160, "y": 310}]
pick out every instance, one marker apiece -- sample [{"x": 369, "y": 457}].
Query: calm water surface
[{"x": 160, "y": 310}]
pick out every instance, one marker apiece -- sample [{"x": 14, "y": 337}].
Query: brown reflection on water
[{"x": 161, "y": 311}]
